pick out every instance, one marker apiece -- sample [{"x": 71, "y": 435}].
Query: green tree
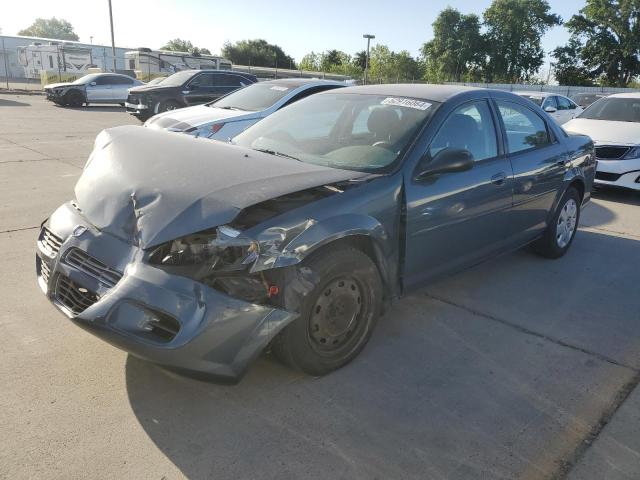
[
  {"x": 569, "y": 69},
  {"x": 180, "y": 45},
  {"x": 359, "y": 60},
  {"x": 311, "y": 61},
  {"x": 457, "y": 47},
  {"x": 59, "y": 29},
  {"x": 610, "y": 33},
  {"x": 386, "y": 65},
  {"x": 258, "y": 53},
  {"x": 514, "y": 29}
]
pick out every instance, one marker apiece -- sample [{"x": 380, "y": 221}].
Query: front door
[
  {"x": 199, "y": 89},
  {"x": 101, "y": 91},
  {"x": 538, "y": 162},
  {"x": 455, "y": 219}
]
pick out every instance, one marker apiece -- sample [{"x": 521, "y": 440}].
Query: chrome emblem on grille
[{"x": 78, "y": 230}]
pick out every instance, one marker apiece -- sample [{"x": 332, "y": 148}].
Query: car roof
[
  {"x": 436, "y": 93},
  {"x": 625, "y": 95},
  {"x": 211, "y": 70},
  {"x": 299, "y": 82},
  {"x": 534, "y": 93}
]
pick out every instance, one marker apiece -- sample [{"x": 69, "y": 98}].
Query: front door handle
[{"x": 499, "y": 178}]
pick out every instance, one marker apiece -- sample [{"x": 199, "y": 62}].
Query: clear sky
[{"x": 297, "y": 26}]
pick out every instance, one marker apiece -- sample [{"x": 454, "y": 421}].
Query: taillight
[{"x": 215, "y": 128}]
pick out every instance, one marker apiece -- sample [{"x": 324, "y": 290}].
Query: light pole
[
  {"x": 113, "y": 42},
  {"x": 366, "y": 61}
]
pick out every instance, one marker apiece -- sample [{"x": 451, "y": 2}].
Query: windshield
[
  {"x": 86, "y": 79},
  {"x": 177, "y": 79},
  {"x": 537, "y": 99},
  {"x": 157, "y": 81},
  {"x": 350, "y": 131},
  {"x": 253, "y": 98},
  {"x": 614, "y": 109}
]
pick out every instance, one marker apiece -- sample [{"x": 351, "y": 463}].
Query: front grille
[
  {"x": 74, "y": 297},
  {"x": 50, "y": 242},
  {"x": 92, "y": 266},
  {"x": 135, "y": 99},
  {"x": 45, "y": 271},
  {"x": 608, "y": 177},
  {"x": 611, "y": 153}
]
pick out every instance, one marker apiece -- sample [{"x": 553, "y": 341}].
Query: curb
[{"x": 12, "y": 91}]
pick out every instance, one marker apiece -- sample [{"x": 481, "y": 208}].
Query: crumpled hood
[
  {"x": 148, "y": 187},
  {"x": 185, "y": 118},
  {"x": 606, "y": 132},
  {"x": 57, "y": 85}
]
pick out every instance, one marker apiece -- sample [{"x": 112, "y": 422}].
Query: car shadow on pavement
[
  {"x": 466, "y": 378},
  {"x": 12, "y": 103},
  {"x": 618, "y": 195},
  {"x": 95, "y": 108}
]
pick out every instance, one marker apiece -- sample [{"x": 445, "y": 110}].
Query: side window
[
  {"x": 524, "y": 128},
  {"x": 469, "y": 127},
  {"x": 550, "y": 102},
  {"x": 228, "y": 81},
  {"x": 564, "y": 104},
  {"x": 202, "y": 80},
  {"x": 104, "y": 80},
  {"x": 122, "y": 81}
]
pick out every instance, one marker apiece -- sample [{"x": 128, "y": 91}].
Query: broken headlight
[
  {"x": 220, "y": 258},
  {"x": 222, "y": 249}
]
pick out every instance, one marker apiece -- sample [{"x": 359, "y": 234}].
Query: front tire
[
  {"x": 168, "y": 105},
  {"x": 74, "y": 99},
  {"x": 562, "y": 228},
  {"x": 337, "y": 317}
]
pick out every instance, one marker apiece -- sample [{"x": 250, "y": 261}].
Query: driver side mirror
[
  {"x": 445, "y": 161},
  {"x": 550, "y": 109},
  {"x": 93, "y": 84}
]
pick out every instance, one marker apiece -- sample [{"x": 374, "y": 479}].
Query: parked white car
[
  {"x": 560, "y": 108},
  {"x": 614, "y": 125},
  {"x": 227, "y": 117}
]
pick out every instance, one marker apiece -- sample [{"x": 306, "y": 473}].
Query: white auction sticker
[
  {"x": 406, "y": 102},
  {"x": 280, "y": 89}
]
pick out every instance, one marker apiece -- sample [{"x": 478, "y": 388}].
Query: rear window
[{"x": 253, "y": 98}]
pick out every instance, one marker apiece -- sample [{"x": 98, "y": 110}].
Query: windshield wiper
[{"x": 277, "y": 154}]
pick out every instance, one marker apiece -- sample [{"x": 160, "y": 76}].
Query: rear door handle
[{"x": 499, "y": 178}]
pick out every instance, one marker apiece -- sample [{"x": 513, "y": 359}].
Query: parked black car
[{"x": 183, "y": 89}]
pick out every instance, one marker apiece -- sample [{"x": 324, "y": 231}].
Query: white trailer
[
  {"x": 55, "y": 58},
  {"x": 149, "y": 63}
]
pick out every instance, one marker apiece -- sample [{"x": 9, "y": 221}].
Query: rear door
[
  {"x": 120, "y": 88},
  {"x": 101, "y": 91},
  {"x": 225, "y": 83},
  {"x": 454, "y": 219},
  {"x": 538, "y": 160}
]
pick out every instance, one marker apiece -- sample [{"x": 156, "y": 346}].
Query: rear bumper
[{"x": 215, "y": 335}]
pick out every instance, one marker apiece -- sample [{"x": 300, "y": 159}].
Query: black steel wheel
[{"x": 337, "y": 317}]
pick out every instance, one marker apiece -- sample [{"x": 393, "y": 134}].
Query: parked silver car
[
  {"x": 232, "y": 114},
  {"x": 92, "y": 88}
]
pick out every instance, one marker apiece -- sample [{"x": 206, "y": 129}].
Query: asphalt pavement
[{"x": 520, "y": 368}]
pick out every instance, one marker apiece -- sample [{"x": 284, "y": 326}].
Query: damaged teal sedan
[{"x": 198, "y": 255}]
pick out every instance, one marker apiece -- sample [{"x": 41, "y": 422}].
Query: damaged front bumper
[{"x": 102, "y": 284}]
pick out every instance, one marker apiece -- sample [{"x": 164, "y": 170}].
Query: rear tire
[
  {"x": 337, "y": 317},
  {"x": 74, "y": 99},
  {"x": 562, "y": 228}
]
